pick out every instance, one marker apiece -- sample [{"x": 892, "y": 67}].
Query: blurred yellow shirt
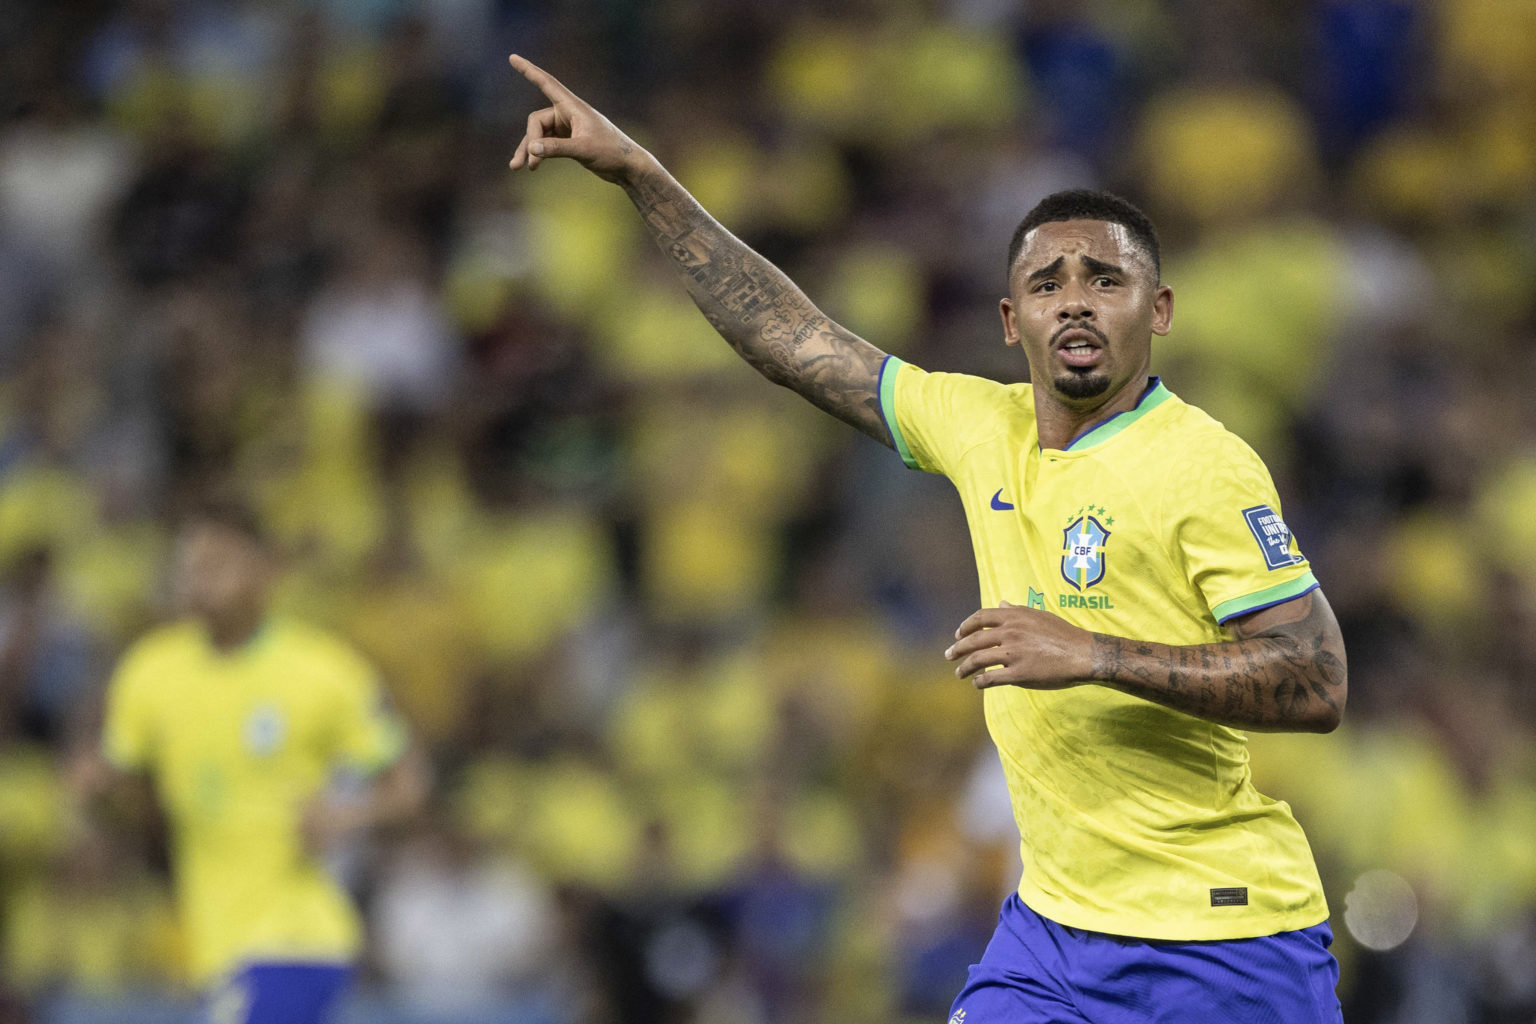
[
  {"x": 238, "y": 745},
  {"x": 1159, "y": 525}
]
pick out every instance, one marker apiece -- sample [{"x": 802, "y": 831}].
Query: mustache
[{"x": 1103, "y": 340}]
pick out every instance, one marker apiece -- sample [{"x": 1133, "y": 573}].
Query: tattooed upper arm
[
  {"x": 1310, "y": 607},
  {"x": 830, "y": 366},
  {"x": 1285, "y": 671},
  {"x": 759, "y": 311},
  {"x": 1305, "y": 634}
]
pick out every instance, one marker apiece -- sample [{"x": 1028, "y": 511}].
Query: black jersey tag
[{"x": 1233, "y": 896}]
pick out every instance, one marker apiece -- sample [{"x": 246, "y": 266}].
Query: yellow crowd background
[{"x": 672, "y": 638}]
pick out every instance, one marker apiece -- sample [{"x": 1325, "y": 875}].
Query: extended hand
[
  {"x": 570, "y": 128},
  {"x": 1021, "y": 647}
]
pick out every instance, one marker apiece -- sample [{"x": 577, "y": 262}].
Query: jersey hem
[
  {"x": 221, "y": 976},
  {"x": 1213, "y": 930},
  {"x": 289, "y": 960},
  {"x": 1266, "y": 598}
]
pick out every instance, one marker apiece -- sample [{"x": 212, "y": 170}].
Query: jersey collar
[
  {"x": 1155, "y": 395},
  {"x": 252, "y": 644}
]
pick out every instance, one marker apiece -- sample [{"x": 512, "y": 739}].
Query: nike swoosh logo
[{"x": 998, "y": 502}]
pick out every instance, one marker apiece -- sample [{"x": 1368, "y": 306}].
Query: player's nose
[{"x": 1076, "y": 303}]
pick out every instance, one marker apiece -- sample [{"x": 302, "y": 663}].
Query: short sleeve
[
  {"x": 128, "y": 730},
  {"x": 934, "y": 418},
  {"x": 1232, "y": 539},
  {"x": 369, "y": 736}
]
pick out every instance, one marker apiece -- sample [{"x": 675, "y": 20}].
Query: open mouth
[{"x": 1080, "y": 347}]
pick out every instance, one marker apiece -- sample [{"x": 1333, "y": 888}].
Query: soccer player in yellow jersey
[
  {"x": 246, "y": 723},
  {"x": 1143, "y": 604}
]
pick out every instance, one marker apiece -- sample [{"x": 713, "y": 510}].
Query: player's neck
[
  {"x": 1058, "y": 422},
  {"x": 231, "y": 632}
]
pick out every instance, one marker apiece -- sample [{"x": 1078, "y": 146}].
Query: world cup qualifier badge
[
  {"x": 1273, "y": 535},
  {"x": 1083, "y": 559}
]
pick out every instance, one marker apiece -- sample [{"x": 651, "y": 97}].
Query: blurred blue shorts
[
  {"x": 1036, "y": 971},
  {"x": 302, "y": 992}
]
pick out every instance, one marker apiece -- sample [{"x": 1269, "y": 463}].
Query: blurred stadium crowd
[{"x": 671, "y": 638}]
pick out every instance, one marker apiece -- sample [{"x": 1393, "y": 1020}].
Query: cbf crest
[{"x": 1083, "y": 558}]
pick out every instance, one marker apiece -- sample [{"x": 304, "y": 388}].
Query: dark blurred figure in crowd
[{"x": 46, "y": 654}]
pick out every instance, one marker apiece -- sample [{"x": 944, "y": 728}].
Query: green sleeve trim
[
  {"x": 392, "y": 749},
  {"x": 1267, "y": 598},
  {"x": 888, "y": 371}
]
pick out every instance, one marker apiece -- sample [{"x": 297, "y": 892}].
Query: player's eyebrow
[
  {"x": 1046, "y": 271},
  {"x": 1099, "y": 267}
]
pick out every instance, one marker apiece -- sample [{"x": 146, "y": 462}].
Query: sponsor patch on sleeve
[{"x": 1273, "y": 535}]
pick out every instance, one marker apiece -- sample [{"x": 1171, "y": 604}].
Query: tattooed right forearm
[{"x": 758, "y": 310}]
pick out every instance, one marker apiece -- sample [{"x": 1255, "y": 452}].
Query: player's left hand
[{"x": 1014, "y": 646}]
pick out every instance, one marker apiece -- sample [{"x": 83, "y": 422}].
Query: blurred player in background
[
  {"x": 1143, "y": 601},
  {"x": 269, "y": 743}
]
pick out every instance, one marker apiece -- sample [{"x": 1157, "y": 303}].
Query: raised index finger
[{"x": 548, "y": 84}]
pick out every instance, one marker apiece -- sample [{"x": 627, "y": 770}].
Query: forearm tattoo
[
  {"x": 1290, "y": 677},
  {"x": 760, "y": 311}
]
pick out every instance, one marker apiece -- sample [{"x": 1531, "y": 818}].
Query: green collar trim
[{"x": 1155, "y": 395}]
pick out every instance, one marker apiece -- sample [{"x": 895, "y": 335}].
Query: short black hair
[
  {"x": 1089, "y": 204},
  {"x": 229, "y": 513}
]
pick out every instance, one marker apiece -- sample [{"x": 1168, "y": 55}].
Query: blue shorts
[
  {"x": 297, "y": 992},
  {"x": 1036, "y": 971}
]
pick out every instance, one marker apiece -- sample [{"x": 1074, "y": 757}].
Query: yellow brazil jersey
[
  {"x": 238, "y": 743},
  {"x": 1157, "y": 524}
]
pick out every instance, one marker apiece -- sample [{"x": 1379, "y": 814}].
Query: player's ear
[
  {"x": 1010, "y": 326},
  {"x": 1162, "y": 310}
]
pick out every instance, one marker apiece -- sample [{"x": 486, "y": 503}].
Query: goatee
[{"x": 1082, "y": 385}]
